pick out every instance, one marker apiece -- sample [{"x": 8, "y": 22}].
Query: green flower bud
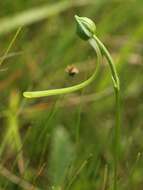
[{"x": 85, "y": 27}]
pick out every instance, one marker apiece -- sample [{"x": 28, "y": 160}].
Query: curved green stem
[
  {"x": 110, "y": 61},
  {"x": 86, "y": 30},
  {"x": 38, "y": 94},
  {"x": 117, "y": 100}
]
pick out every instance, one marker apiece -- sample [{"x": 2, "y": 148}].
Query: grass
[{"x": 66, "y": 142}]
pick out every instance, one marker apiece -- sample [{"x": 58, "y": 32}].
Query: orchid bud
[{"x": 85, "y": 27}]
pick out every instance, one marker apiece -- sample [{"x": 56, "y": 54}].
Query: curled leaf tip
[
  {"x": 27, "y": 95},
  {"x": 86, "y": 28}
]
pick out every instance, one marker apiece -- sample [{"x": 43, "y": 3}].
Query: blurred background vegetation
[{"x": 65, "y": 142}]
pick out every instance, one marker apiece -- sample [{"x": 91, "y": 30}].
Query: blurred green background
[{"x": 63, "y": 143}]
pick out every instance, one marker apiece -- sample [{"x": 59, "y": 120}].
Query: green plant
[
  {"x": 38, "y": 94},
  {"x": 86, "y": 29}
]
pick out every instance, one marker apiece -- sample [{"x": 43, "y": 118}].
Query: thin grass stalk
[{"x": 116, "y": 84}]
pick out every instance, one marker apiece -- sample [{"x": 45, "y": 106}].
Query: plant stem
[
  {"x": 117, "y": 106},
  {"x": 10, "y": 45},
  {"x": 86, "y": 29}
]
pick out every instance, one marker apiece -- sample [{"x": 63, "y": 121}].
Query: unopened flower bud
[{"x": 85, "y": 27}]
